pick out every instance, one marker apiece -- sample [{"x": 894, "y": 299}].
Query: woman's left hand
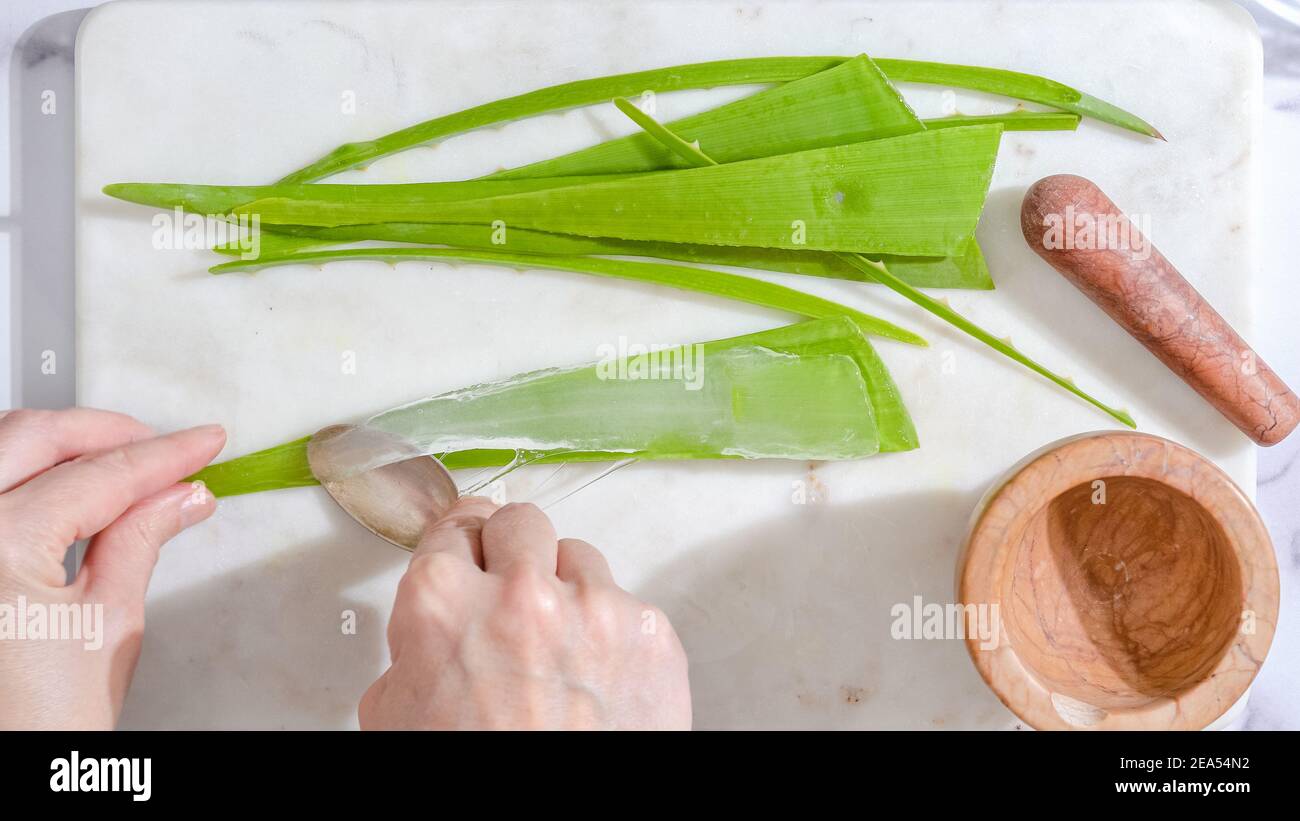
[{"x": 68, "y": 651}]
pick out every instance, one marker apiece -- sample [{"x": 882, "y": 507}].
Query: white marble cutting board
[{"x": 784, "y": 608}]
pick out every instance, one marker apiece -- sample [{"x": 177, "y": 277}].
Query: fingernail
[
  {"x": 197, "y": 504},
  {"x": 209, "y": 430}
]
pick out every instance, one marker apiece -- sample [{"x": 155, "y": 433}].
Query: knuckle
[
  {"x": 528, "y": 614},
  {"x": 598, "y": 601},
  {"x": 466, "y": 514},
  {"x": 428, "y": 582},
  {"x": 424, "y": 610},
  {"x": 580, "y": 550},
  {"x": 433, "y": 569},
  {"x": 605, "y": 620},
  {"x": 477, "y": 506},
  {"x": 530, "y": 595},
  {"x": 117, "y": 462},
  {"x": 519, "y": 513},
  {"x": 24, "y": 540}
]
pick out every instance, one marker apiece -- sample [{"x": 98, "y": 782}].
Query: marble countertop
[{"x": 1273, "y": 704}]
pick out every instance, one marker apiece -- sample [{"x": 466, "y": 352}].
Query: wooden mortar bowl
[{"x": 1153, "y": 610}]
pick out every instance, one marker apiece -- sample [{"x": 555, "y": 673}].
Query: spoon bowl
[{"x": 397, "y": 502}]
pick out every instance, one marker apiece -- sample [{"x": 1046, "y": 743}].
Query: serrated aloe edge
[
  {"x": 746, "y": 71},
  {"x": 700, "y": 280},
  {"x": 965, "y": 268},
  {"x": 947, "y": 314},
  {"x": 851, "y": 102},
  {"x": 919, "y": 194}
]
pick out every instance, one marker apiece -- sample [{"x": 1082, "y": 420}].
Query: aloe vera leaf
[
  {"x": 222, "y": 200},
  {"x": 759, "y": 70},
  {"x": 850, "y": 103},
  {"x": 275, "y": 468},
  {"x": 701, "y": 280},
  {"x": 664, "y": 134},
  {"x": 915, "y": 195},
  {"x": 285, "y": 465},
  {"x": 1015, "y": 84},
  {"x": 821, "y": 337},
  {"x": 1012, "y": 121},
  {"x": 950, "y": 316}
]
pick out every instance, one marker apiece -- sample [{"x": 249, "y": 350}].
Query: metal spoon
[{"x": 396, "y": 502}]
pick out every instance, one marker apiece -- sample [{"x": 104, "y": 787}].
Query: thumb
[{"x": 121, "y": 558}]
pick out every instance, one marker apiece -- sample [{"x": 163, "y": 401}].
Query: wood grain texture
[{"x": 1136, "y": 586}]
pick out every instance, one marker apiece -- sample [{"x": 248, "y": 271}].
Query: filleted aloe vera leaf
[
  {"x": 285, "y": 465},
  {"x": 894, "y": 424},
  {"x": 681, "y": 403}
]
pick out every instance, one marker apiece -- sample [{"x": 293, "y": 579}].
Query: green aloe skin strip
[
  {"x": 916, "y": 195},
  {"x": 749, "y": 71},
  {"x": 1003, "y": 347},
  {"x": 214, "y": 200},
  {"x": 701, "y": 280},
  {"x": 1011, "y": 121},
  {"x": 863, "y": 413},
  {"x": 881, "y": 273},
  {"x": 1015, "y": 84},
  {"x": 690, "y": 152}
]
